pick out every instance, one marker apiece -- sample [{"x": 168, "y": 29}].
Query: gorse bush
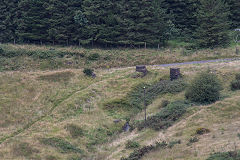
[
  {"x": 1, "y": 51},
  {"x": 205, "y": 88},
  {"x": 235, "y": 84},
  {"x": 166, "y": 117},
  {"x": 201, "y": 131},
  {"x": 88, "y": 72}
]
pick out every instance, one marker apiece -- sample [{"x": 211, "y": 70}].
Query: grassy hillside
[
  {"x": 63, "y": 114},
  {"x": 31, "y": 57}
]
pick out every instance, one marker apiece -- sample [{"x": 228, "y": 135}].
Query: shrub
[
  {"x": 235, "y": 85},
  {"x": 164, "y": 103},
  {"x": 88, "y": 71},
  {"x": 93, "y": 57},
  {"x": 132, "y": 144},
  {"x": 75, "y": 130},
  {"x": 205, "y": 88},
  {"x": 1, "y": 51},
  {"x": 237, "y": 76},
  {"x": 166, "y": 117},
  {"x": 139, "y": 153},
  {"x": 201, "y": 131}
]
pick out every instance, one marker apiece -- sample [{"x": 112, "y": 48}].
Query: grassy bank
[
  {"x": 32, "y": 57},
  {"x": 66, "y": 115}
]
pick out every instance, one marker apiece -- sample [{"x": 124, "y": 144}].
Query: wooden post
[
  {"x": 145, "y": 105},
  {"x": 14, "y": 41},
  {"x": 158, "y": 46},
  {"x": 237, "y": 50},
  {"x": 145, "y": 45}
]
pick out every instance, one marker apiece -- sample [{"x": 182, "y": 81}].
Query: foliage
[
  {"x": 1, "y": 51},
  {"x": 205, "y": 88},
  {"x": 235, "y": 84},
  {"x": 213, "y": 24},
  {"x": 201, "y": 131},
  {"x": 132, "y": 144},
  {"x": 88, "y": 71},
  {"x": 232, "y": 155},
  {"x": 166, "y": 117},
  {"x": 126, "y": 24},
  {"x": 62, "y": 145}
]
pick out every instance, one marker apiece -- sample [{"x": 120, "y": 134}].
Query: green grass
[
  {"x": 67, "y": 110},
  {"x": 62, "y": 145},
  {"x": 32, "y": 57}
]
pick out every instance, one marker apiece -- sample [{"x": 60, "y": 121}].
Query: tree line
[{"x": 109, "y": 23}]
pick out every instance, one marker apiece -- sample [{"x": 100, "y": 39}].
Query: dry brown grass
[
  {"x": 109, "y": 58},
  {"x": 25, "y": 98}
]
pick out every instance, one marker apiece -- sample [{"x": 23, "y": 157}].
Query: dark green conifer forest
[{"x": 123, "y": 23}]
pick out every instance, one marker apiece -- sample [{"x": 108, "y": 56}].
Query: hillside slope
[{"x": 63, "y": 115}]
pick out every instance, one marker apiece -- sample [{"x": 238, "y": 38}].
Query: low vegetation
[
  {"x": 66, "y": 115},
  {"x": 132, "y": 144},
  {"x": 139, "y": 153},
  {"x": 235, "y": 84},
  {"x": 233, "y": 155},
  {"x": 166, "y": 117},
  {"x": 134, "y": 101},
  {"x": 88, "y": 72},
  {"x": 60, "y": 144},
  {"x": 32, "y": 57},
  {"x": 205, "y": 88}
]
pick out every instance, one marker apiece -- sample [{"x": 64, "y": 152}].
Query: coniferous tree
[
  {"x": 145, "y": 21},
  {"x": 234, "y": 6},
  {"x": 103, "y": 22},
  {"x": 33, "y": 23},
  {"x": 213, "y": 24},
  {"x": 8, "y": 20},
  {"x": 56, "y": 10},
  {"x": 182, "y": 14}
]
